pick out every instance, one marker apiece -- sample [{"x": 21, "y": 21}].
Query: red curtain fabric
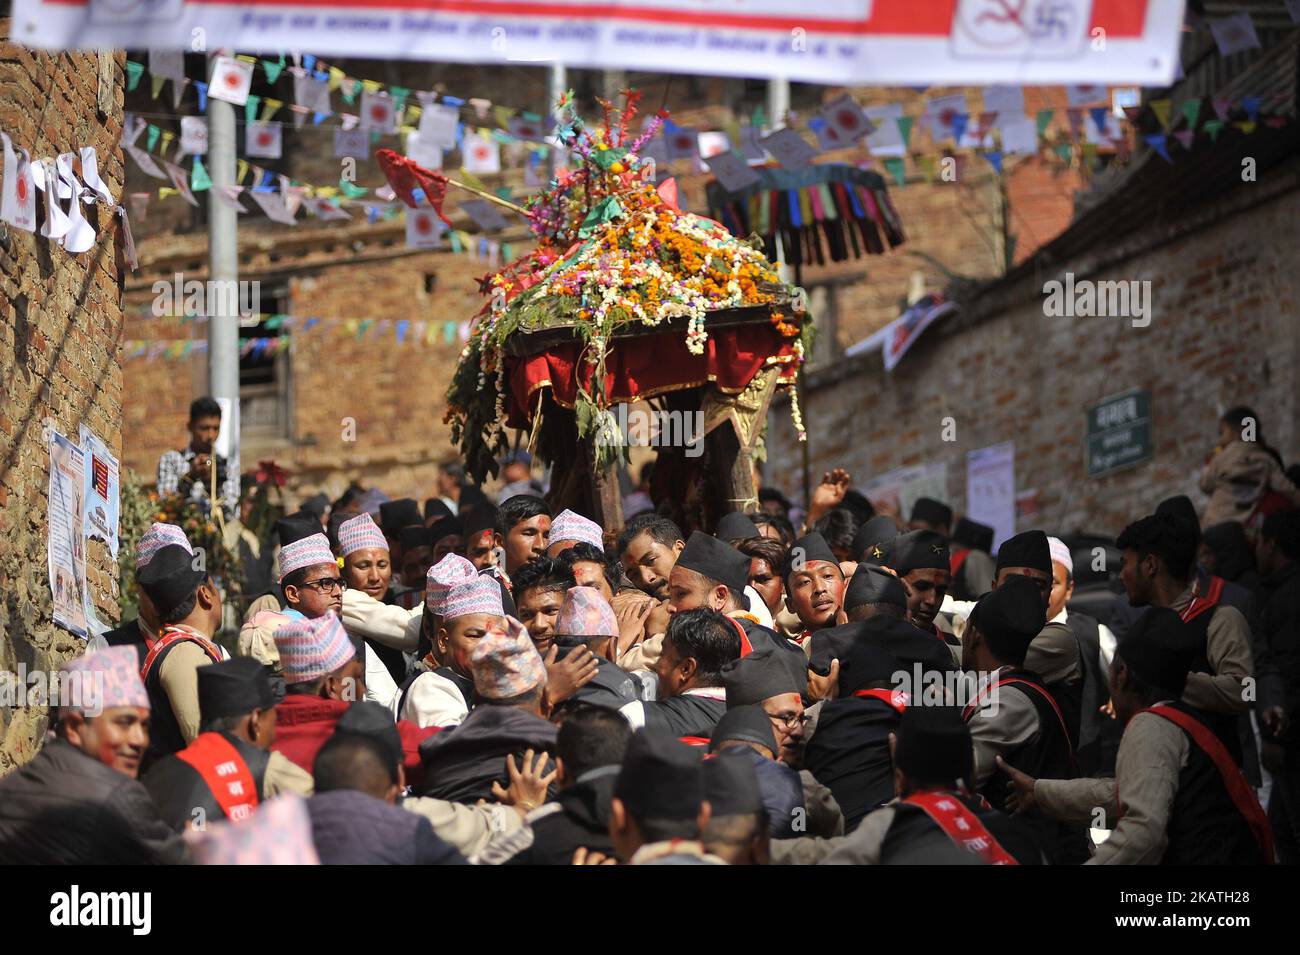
[{"x": 645, "y": 366}]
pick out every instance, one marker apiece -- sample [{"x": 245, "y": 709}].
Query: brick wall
[
  {"x": 1223, "y": 331},
  {"x": 60, "y": 320},
  {"x": 393, "y": 392}
]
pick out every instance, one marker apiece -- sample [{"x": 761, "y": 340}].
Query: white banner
[
  {"x": 991, "y": 489},
  {"x": 841, "y": 42}
]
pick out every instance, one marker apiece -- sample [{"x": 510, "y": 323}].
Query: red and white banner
[{"x": 842, "y": 42}]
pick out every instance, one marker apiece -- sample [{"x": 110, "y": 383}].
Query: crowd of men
[{"x": 501, "y": 684}]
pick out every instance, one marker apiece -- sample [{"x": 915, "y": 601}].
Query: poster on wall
[
  {"x": 897, "y": 490},
  {"x": 991, "y": 489},
  {"x": 101, "y": 490},
  {"x": 66, "y": 544}
]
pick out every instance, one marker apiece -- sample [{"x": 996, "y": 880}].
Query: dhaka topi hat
[
  {"x": 312, "y": 648},
  {"x": 585, "y": 613},
  {"x": 102, "y": 680},
  {"x": 505, "y": 662},
  {"x": 359, "y": 533},
  {"x": 568, "y": 526},
  {"x": 155, "y": 539}
]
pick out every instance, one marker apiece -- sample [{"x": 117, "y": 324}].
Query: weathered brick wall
[
  {"x": 1225, "y": 330},
  {"x": 59, "y": 360},
  {"x": 394, "y": 392}
]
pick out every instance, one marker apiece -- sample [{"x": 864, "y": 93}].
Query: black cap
[
  {"x": 919, "y": 550},
  {"x": 1160, "y": 649},
  {"x": 803, "y": 551},
  {"x": 294, "y": 527},
  {"x": 773, "y": 494},
  {"x": 864, "y": 665},
  {"x": 1010, "y": 617},
  {"x": 973, "y": 534},
  {"x": 871, "y": 585},
  {"x": 394, "y": 515},
  {"x": 233, "y": 688},
  {"x": 447, "y": 527},
  {"x": 1181, "y": 507},
  {"x": 731, "y": 785},
  {"x": 315, "y": 506},
  {"x": 934, "y": 745},
  {"x": 661, "y": 777},
  {"x": 736, "y": 526},
  {"x": 718, "y": 561},
  {"x": 413, "y": 536},
  {"x": 479, "y": 518},
  {"x": 908, "y": 645},
  {"x": 367, "y": 718},
  {"x": 872, "y": 541},
  {"x": 170, "y": 578},
  {"x": 436, "y": 507},
  {"x": 757, "y": 677},
  {"x": 332, "y": 527},
  {"x": 932, "y": 512},
  {"x": 744, "y": 724},
  {"x": 1029, "y": 549}
]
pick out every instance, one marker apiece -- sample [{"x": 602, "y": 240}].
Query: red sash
[
  {"x": 224, "y": 772},
  {"x": 1243, "y": 797},
  {"x": 956, "y": 558},
  {"x": 695, "y": 740},
  {"x": 895, "y": 698},
  {"x": 172, "y": 635},
  {"x": 961, "y": 826},
  {"x": 1014, "y": 680},
  {"x": 745, "y": 647},
  {"x": 1199, "y": 605}
]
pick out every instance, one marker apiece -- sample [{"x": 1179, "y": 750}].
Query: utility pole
[
  {"x": 557, "y": 83},
  {"x": 223, "y": 273}
]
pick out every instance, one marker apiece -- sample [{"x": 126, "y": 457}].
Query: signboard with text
[{"x": 1119, "y": 433}]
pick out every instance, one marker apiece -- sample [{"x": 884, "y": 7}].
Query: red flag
[{"x": 405, "y": 176}]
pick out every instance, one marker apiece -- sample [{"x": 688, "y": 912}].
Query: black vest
[
  {"x": 1047, "y": 755},
  {"x": 1223, "y": 724},
  {"x": 178, "y": 790},
  {"x": 165, "y": 735},
  {"x": 912, "y": 824},
  {"x": 1099, "y": 734},
  {"x": 465, "y": 685},
  {"x": 684, "y": 715},
  {"x": 849, "y": 754},
  {"x": 1205, "y": 827}
]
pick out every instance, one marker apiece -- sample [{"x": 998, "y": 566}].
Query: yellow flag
[
  {"x": 155, "y": 85},
  {"x": 502, "y": 114},
  {"x": 270, "y": 107},
  {"x": 242, "y": 166},
  {"x": 327, "y": 191},
  {"x": 336, "y": 78},
  {"x": 1161, "y": 108},
  {"x": 413, "y": 114},
  {"x": 166, "y": 191},
  {"x": 245, "y": 58},
  {"x": 1245, "y": 125},
  {"x": 371, "y": 86},
  {"x": 350, "y": 326},
  {"x": 167, "y": 138},
  {"x": 469, "y": 179},
  {"x": 431, "y": 335},
  {"x": 929, "y": 166}
]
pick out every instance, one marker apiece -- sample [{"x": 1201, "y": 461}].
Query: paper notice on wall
[
  {"x": 101, "y": 489},
  {"x": 991, "y": 489},
  {"x": 894, "y": 492},
  {"x": 66, "y": 544}
]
